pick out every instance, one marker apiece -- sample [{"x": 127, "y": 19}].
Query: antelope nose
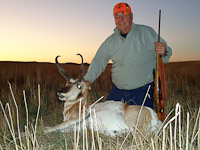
[{"x": 60, "y": 91}]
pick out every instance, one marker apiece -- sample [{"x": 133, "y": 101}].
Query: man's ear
[{"x": 131, "y": 16}]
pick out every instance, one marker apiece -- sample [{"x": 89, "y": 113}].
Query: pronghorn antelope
[{"x": 113, "y": 118}]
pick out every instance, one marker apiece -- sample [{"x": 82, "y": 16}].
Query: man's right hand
[{"x": 88, "y": 84}]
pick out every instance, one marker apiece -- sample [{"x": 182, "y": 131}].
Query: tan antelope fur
[{"x": 113, "y": 118}]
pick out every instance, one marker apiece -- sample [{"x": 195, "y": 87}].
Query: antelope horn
[
  {"x": 61, "y": 70},
  {"x": 81, "y": 69}
]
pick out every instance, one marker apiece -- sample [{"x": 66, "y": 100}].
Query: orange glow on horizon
[{"x": 39, "y": 31}]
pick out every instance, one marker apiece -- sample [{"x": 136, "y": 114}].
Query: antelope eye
[{"x": 79, "y": 86}]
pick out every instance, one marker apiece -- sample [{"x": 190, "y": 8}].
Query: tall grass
[{"x": 21, "y": 99}]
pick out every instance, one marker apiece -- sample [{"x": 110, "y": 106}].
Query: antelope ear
[
  {"x": 67, "y": 82},
  {"x": 72, "y": 80}
]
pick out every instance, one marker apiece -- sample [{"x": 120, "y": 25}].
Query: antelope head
[{"x": 75, "y": 88}]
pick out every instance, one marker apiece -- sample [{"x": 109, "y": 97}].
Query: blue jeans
[{"x": 133, "y": 97}]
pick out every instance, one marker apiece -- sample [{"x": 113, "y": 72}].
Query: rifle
[{"x": 160, "y": 90}]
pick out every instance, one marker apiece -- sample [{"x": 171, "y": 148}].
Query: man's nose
[{"x": 121, "y": 18}]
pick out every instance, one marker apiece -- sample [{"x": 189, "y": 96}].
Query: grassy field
[{"x": 29, "y": 103}]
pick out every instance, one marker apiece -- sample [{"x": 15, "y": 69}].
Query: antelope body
[{"x": 110, "y": 118}]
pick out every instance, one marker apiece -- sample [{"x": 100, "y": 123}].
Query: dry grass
[{"x": 183, "y": 86}]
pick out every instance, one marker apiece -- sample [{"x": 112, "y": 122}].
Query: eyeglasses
[{"x": 117, "y": 16}]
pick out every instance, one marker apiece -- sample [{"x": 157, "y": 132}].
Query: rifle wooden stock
[
  {"x": 160, "y": 90},
  {"x": 163, "y": 91}
]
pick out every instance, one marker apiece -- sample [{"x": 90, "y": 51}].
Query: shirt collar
[{"x": 116, "y": 30}]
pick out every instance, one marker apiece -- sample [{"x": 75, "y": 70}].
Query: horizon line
[{"x": 85, "y": 62}]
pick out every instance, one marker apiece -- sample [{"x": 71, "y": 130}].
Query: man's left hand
[{"x": 160, "y": 48}]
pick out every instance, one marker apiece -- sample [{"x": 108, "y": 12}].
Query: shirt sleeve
[
  {"x": 153, "y": 38},
  {"x": 166, "y": 58},
  {"x": 98, "y": 64}
]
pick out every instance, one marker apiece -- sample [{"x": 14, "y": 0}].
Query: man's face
[{"x": 123, "y": 22}]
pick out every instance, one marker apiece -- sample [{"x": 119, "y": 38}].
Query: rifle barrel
[{"x": 159, "y": 25}]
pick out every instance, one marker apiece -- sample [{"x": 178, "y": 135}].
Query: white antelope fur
[{"x": 113, "y": 118}]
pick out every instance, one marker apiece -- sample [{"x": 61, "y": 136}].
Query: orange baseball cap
[{"x": 122, "y": 7}]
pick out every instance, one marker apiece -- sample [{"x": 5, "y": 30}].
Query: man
[{"x": 132, "y": 49}]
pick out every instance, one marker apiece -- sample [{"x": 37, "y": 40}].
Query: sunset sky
[{"x": 39, "y": 30}]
